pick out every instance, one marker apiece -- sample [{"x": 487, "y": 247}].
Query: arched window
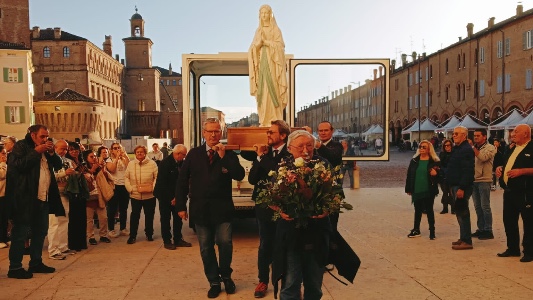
[
  {"x": 66, "y": 51},
  {"x": 46, "y": 52}
]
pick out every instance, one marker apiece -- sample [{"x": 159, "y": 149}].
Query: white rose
[{"x": 299, "y": 162}]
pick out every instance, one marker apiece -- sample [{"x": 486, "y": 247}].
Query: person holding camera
[
  {"x": 140, "y": 178},
  {"x": 116, "y": 165},
  {"x": 422, "y": 185},
  {"x": 31, "y": 181}
]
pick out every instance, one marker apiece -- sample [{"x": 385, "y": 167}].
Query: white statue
[{"x": 267, "y": 69}]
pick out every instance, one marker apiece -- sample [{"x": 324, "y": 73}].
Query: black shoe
[
  {"x": 414, "y": 233},
  {"x": 444, "y": 211},
  {"x": 229, "y": 285},
  {"x": 41, "y": 268},
  {"x": 477, "y": 234},
  {"x": 453, "y": 212},
  {"x": 131, "y": 240},
  {"x": 149, "y": 238},
  {"x": 486, "y": 235},
  {"x": 105, "y": 239},
  {"x": 508, "y": 253},
  {"x": 19, "y": 274},
  {"x": 432, "y": 235},
  {"x": 169, "y": 246},
  {"x": 92, "y": 241},
  {"x": 182, "y": 243},
  {"x": 214, "y": 291},
  {"x": 526, "y": 258}
]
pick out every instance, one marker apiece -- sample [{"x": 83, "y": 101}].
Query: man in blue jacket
[{"x": 460, "y": 178}]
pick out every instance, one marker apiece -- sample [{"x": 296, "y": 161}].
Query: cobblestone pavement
[{"x": 386, "y": 174}]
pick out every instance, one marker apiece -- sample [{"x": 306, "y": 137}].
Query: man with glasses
[
  {"x": 31, "y": 182},
  {"x": 210, "y": 169},
  {"x": 332, "y": 151},
  {"x": 268, "y": 158},
  {"x": 516, "y": 177},
  {"x": 165, "y": 191},
  {"x": 484, "y": 153},
  {"x": 460, "y": 178}
]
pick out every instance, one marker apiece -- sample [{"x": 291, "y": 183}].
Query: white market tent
[
  {"x": 367, "y": 132},
  {"x": 507, "y": 121},
  {"x": 472, "y": 122},
  {"x": 426, "y": 128},
  {"x": 450, "y": 124},
  {"x": 339, "y": 134},
  {"x": 528, "y": 119}
]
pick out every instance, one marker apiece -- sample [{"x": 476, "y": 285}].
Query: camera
[{"x": 50, "y": 139}]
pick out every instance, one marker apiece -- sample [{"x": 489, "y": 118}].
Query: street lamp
[{"x": 358, "y": 129}]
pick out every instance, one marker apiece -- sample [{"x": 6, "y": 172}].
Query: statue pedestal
[{"x": 244, "y": 138}]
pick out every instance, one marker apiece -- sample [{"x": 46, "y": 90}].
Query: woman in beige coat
[{"x": 139, "y": 180}]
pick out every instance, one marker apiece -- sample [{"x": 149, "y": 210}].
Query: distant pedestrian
[
  {"x": 447, "y": 198},
  {"x": 156, "y": 155}
]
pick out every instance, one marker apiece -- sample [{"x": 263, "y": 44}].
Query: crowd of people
[
  {"x": 470, "y": 168},
  {"x": 63, "y": 191}
]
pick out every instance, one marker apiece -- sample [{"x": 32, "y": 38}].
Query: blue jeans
[
  {"x": 267, "y": 235},
  {"x": 301, "y": 267},
  {"x": 221, "y": 234},
  {"x": 19, "y": 233},
  {"x": 462, "y": 212},
  {"x": 481, "y": 197}
]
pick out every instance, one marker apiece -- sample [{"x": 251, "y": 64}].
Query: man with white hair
[
  {"x": 516, "y": 177},
  {"x": 301, "y": 253},
  {"x": 165, "y": 188}
]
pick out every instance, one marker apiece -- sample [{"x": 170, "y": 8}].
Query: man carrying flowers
[{"x": 302, "y": 192}]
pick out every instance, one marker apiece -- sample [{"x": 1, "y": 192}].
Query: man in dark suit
[
  {"x": 268, "y": 158},
  {"x": 516, "y": 177},
  {"x": 165, "y": 191},
  {"x": 332, "y": 151},
  {"x": 210, "y": 168}
]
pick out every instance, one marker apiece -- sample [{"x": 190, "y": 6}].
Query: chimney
[
  {"x": 393, "y": 64},
  {"x": 491, "y": 22},
  {"x": 117, "y": 57},
  {"x": 470, "y": 29},
  {"x": 36, "y": 32},
  {"x": 380, "y": 71},
  {"x": 460, "y": 39},
  {"x": 170, "y": 69},
  {"x": 332, "y": 95},
  {"x": 423, "y": 55},
  {"x": 404, "y": 59},
  {"x": 57, "y": 33},
  {"x": 519, "y": 10},
  {"x": 122, "y": 61},
  {"x": 413, "y": 55},
  {"x": 375, "y": 73},
  {"x": 108, "y": 49}
]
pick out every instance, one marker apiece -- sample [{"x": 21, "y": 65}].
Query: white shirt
[{"x": 44, "y": 180}]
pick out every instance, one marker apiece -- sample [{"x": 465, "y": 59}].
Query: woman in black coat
[
  {"x": 422, "y": 185},
  {"x": 447, "y": 198}
]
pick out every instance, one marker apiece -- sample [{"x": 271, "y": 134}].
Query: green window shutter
[
  {"x": 22, "y": 114},
  {"x": 21, "y": 75},
  {"x": 6, "y": 75},
  {"x": 6, "y": 110}
]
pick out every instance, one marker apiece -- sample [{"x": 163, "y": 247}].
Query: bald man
[
  {"x": 58, "y": 225},
  {"x": 516, "y": 177},
  {"x": 165, "y": 187}
]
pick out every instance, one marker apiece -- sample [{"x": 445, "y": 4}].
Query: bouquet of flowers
[{"x": 303, "y": 189}]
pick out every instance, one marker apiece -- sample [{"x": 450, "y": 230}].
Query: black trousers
[
  {"x": 167, "y": 212},
  {"x": 3, "y": 220},
  {"x": 149, "y": 211},
  {"x": 120, "y": 201},
  {"x": 514, "y": 206},
  {"x": 421, "y": 205},
  {"x": 77, "y": 225}
]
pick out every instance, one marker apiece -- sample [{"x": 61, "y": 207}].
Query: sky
[{"x": 311, "y": 29}]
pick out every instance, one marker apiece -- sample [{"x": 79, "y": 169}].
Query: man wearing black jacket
[
  {"x": 268, "y": 158},
  {"x": 210, "y": 170},
  {"x": 165, "y": 191},
  {"x": 460, "y": 178},
  {"x": 332, "y": 151},
  {"x": 32, "y": 189},
  {"x": 516, "y": 177}
]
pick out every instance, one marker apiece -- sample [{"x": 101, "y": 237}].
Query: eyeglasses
[
  {"x": 272, "y": 132},
  {"x": 213, "y": 132},
  {"x": 301, "y": 148},
  {"x": 457, "y": 133},
  {"x": 448, "y": 145},
  {"x": 422, "y": 147}
]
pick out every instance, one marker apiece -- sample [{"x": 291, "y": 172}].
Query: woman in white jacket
[{"x": 139, "y": 180}]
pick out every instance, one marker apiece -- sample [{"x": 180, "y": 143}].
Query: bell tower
[
  {"x": 138, "y": 48},
  {"x": 137, "y": 24}
]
